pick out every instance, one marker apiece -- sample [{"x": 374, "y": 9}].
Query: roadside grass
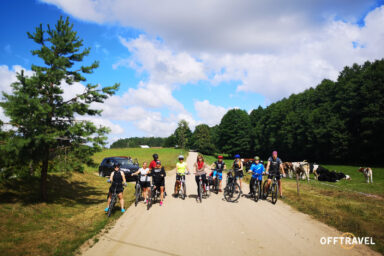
[
  {"x": 74, "y": 212},
  {"x": 167, "y": 156},
  {"x": 345, "y": 210},
  {"x": 350, "y": 206}
]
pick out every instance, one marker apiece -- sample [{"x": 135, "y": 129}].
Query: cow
[
  {"x": 288, "y": 169},
  {"x": 323, "y": 174},
  {"x": 367, "y": 173},
  {"x": 301, "y": 169}
]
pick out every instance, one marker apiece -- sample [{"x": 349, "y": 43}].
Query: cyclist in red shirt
[{"x": 152, "y": 165}]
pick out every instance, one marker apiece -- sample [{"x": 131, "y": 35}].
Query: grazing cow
[
  {"x": 313, "y": 167},
  {"x": 288, "y": 169},
  {"x": 367, "y": 173},
  {"x": 301, "y": 169}
]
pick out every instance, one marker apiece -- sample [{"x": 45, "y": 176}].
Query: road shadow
[{"x": 61, "y": 190}]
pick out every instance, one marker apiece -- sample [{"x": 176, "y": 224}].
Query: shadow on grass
[{"x": 61, "y": 190}]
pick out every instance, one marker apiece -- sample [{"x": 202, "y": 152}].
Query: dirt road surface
[{"x": 216, "y": 227}]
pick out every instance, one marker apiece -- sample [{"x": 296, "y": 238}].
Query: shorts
[
  {"x": 145, "y": 184},
  {"x": 179, "y": 177},
  {"x": 239, "y": 174},
  {"x": 219, "y": 174},
  {"x": 159, "y": 183},
  {"x": 119, "y": 189},
  {"x": 270, "y": 176}
]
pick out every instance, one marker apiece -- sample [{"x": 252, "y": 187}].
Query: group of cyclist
[{"x": 156, "y": 173}]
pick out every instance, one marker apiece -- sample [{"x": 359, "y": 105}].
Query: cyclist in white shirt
[{"x": 145, "y": 180}]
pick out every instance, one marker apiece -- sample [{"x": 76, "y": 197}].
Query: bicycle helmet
[
  {"x": 237, "y": 156},
  {"x": 158, "y": 162},
  {"x": 257, "y": 158},
  {"x": 181, "y": 157},
  {"x": 116, "y": 165},
  {"x": 220, "y": 157},
  {"x": 155, "y": 156}
]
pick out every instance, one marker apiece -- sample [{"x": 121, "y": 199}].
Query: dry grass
[{"x": 73, "y": 214}]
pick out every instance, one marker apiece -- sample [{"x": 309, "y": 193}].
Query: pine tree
[{"x": 43, "y": 120}]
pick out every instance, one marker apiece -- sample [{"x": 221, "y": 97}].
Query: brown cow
[
  {"x": 288, "y": 169},
  {"x": 367, "y": 173}
]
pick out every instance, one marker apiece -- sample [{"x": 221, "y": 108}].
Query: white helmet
[{"x": 181, "y": 157}]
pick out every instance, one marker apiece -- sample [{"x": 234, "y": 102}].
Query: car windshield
[{"x": 124, "y": 162}]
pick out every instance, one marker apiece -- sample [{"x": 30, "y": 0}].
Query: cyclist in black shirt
[
  {"x": 158, "y": 178},
  {"x": 117, "y": 179},
  {"x": 273, "y": 169}
]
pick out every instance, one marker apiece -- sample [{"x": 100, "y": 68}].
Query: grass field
[{"x": 74, "y": 212}]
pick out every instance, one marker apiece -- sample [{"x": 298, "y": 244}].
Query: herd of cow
[{"x": 304, "y": 169}]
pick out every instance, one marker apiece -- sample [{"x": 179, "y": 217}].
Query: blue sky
[{"x": 188, "y": 60}]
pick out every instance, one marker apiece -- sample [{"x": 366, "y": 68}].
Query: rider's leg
[
  {"x": 251, "y": 185},
  {"x": 120, "y": 195},
  {"x": 176, "y": 185},
  {"x": 267, "y": 186},
  {"x": 161, "y": 193},
  {"x": 109, "y": 199},
  {"x": 280, "y": 187}
]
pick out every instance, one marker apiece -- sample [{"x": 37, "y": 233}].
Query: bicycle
[
  {"x": 138, "y": 190},
  {"x": 153, "y": 195},
  {"x": 202, "y": 189},
  {"x": 216, "y": 182},
  {"x": 232, "y": 189},
  {"x": 256, "y": 186},
  {"x": 273, "y": 189},
  {"x": 181, "y": 187},
  {"x": 113, "y": 200}
]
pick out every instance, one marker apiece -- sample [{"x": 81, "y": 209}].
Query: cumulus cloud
[
  {"x": 209, "y": 113},
  {"x": 8, "y": 76},
  {"x": 218, "y": 25}
]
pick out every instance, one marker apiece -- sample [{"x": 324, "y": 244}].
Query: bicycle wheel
[
  {"x": 228, "y": 193},
  {"x": 274, "y": 193},
  {"x": 183, "y": 192},
  {"x": 149, "y": 203},
  {"x": 255, "y": 188},
  {"x": 200, "y": 192},
  {"x": 111, "y": 205},
  {"x": 137, "y": 194}
]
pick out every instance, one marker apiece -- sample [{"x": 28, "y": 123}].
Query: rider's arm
[
  {"x": 123, "y": 175},
  {"x": 282, "y": 169},
  {"x": 268, "y": 164},
  {"x": 111, "y": 177},
  {"x": 136, "y": 173},
  {"x": 163, "y": 172}
]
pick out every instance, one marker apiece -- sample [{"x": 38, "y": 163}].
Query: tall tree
[
  {"x": 44, "y": 121},
  {"x": 234, "y": 132},
  {"x": 183, "y": 134},
  {"x": 202, "y": 140}
]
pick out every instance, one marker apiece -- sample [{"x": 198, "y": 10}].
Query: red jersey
[{"x": 152, "y": 165}]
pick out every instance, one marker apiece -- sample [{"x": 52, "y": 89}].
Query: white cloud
[{"x": 208, "y": 113}]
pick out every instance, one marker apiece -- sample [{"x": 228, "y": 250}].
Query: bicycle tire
[
  {"x": 183, "y": 194},
  {"x": 149, "y": 196},
  {"x": 111, "y": 205},
  {"x": 255, "y": 188},
  {"x": 137, "y": 194},
  {"x": 274, "y": 193},
  {"x": 200, "y": 192}
]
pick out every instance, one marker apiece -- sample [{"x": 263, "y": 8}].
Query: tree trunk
[{"x": 44, "y": 174}]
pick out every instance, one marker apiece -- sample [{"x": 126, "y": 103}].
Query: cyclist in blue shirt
[{"x": 257, "y": 170}]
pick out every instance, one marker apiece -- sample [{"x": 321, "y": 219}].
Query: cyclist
[
  {"x": 181, "y": 170},
  {"x": 200, "y": 167},
  {"x": 238, "y": 168},
  {"x": 152, "y": 164},
  {"x": 145, "y": 180},
  {"x": 158, "y": 174},
  {"x": 218, "y": 167},
  {"x": 257, "y": 170},
  {"x": 274, "y": 166},
  {"x": 117, "y": 179}
]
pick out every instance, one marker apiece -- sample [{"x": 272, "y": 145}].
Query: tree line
[
  {"x": 338, "y": 121},
  {"x": 135, "y": 142}
]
